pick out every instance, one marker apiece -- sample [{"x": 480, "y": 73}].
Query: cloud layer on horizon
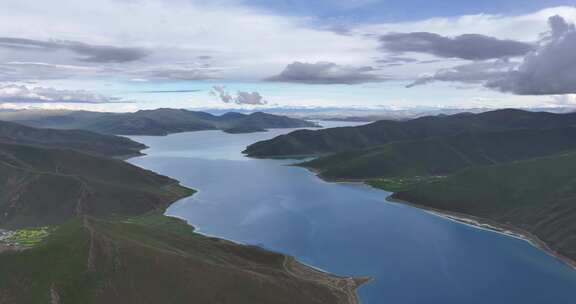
[{"x": 29, "y": 95}]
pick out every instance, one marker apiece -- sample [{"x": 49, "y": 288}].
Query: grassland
[
  {"x": 89, "y": 229},
  {"x": 156, "y": 259},
  {"x": 444, "y": 155},
  {"x": 401, "y": 183},
  {"x": 335, "y": 140},
  {"x": 536, "y": 196},
  {"x": 28, "y": 237}
]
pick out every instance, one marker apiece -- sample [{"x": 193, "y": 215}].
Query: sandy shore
[
  {"x": 486, "y": 224},
  {"x": 344, "y": 286}
]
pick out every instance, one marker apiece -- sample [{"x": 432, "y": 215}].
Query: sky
[{"x": 125, "y": 55}]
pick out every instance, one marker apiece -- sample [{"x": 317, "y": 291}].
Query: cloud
[
  {"x": 108, "y": 32},
  {"x": 191, "y": 73},
  {"x": 241, "y": 98},
  {"x": 172, "y": 91},
  {"x": 253, "y": 98},
  {"x": 476, "y": 72},
  {"x": 25, "y": 71},
  {"x": 563, "y": 100},
  {"x": 88, "y": 52},
  {"x": 468, "y": 46},
  {"x": 16, "y": 94},
  {"x": 221, "y": 92},
  {"x": 548, "y": 70},
  {"x": 326, "y": 73},
  {"x": 397, "y": 59}
]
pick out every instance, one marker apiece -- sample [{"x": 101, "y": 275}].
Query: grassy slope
[
  {"x": 84, "y": 141},
  {"x": 41, "y": 186},
  {"x": 108, "y": 242},
  {"x": 152, "y": 259},
  {"x": 444, "y": 155},
  {"x": 538, "y": 196},
  {"x": 306, "y": 142}
]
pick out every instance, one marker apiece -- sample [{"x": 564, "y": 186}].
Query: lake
[{"x": 349, "y": 229}]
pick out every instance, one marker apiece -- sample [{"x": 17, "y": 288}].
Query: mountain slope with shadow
[
  {"x": 80, "y": 228},
  {"x": 85, "y": 141},
  {"x": 326, "y": 141}
]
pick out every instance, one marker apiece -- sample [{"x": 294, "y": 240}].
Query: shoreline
[
  {"x": 490, "y": 225},
  {"x": 317, "y": 173},
  {"x": 348, "y": 285},
  {"x": 465, "y": 219},
  {"x": 341, "y": 283}
]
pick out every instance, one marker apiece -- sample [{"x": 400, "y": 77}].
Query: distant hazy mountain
[
  {"x": 308, "y": 142},
  {"x": 155, "y": 122},
  {"x": 370, "y": 114},
  {"x": 84, "y": 141}
]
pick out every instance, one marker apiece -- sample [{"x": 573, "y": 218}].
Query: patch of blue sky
[{"x": 376, "y": 11}]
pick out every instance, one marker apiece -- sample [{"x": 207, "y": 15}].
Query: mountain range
[
  {"x": 79, "y": 140},
  {"x": 325, "y": 141},
  {"x": 154, "y": 122},
  {"x": 511, "y": 170},
  {"x": 444, "y": 155},
  {"x": 79, "y": 226}
]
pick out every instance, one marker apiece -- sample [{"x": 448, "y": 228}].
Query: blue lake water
[{"x": 348, "y": 229}]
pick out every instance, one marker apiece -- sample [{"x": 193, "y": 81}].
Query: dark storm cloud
[
  {"x": 326, "y": 73},
  {"x": 469, "y": 46}
]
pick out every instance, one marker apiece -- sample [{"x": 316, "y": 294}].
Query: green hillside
[
  {"x": 85, "y": 141},
  {"x": 444, "y": 155},
  {"x": 156, "y": 259},
  {"x": 79, "y": 228},
  {"x": 41, "y": 186},
  {"x": 308, "y": 142},
  {"x": 537, "y": 196}
]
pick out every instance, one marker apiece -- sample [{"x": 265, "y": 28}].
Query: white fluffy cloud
[
  {"x": 550, "y": 69},
  {"x": 241, "y": 98}
]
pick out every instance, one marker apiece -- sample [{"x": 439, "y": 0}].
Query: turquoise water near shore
[{"x": 349, "y": 229}]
